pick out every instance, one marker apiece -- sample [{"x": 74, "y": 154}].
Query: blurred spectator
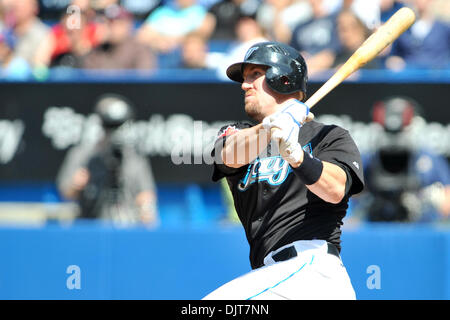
[
  {"x": 388, "y": 8},
  {"x": 352, "y": 32},
  {"x": 11, "y": 67},
  {"x": 280, "y": 17},
  {"x": 204, "y": 3},
  {"x": 87, "y": 7},
  {"x": 2, "y": 15},
  {"x": 119, "y": 50},
  {"x": 68, "y": 41},
  {"x": 317, "y": 39},
  {"x": 425, "y": 45},
  {"x": 100, "y": 5},
  {"x": 207, "y": 3},
  {"x": 140, "y": 8},
  {"x": 221, "y": 19},
  {"x": 51, "y": 11},
  {"x": 248, "y": 33},
  {"x": 29, "y": 31},
  {"x": 109, "y": 179},
  {"x": 441, "y": 10},
  {"x": 194, "y": 52},
  {"x": 406, "y": 182},
  {"x": 367, "y": 11},
  {"x": 165, "y": 28}
]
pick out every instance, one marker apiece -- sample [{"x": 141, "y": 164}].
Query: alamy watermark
[
  {"x": 374, "y": 280},
  {"x": 73, "y": 19},
  {"x": 190, "y": 141},
  {"x": 73, "y": 281},
  {"x": 11, "y": 133}
]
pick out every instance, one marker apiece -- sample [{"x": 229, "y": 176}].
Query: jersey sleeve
[
  {"x": 339, "y": 148},
  {"x": 220, "y": 170}
]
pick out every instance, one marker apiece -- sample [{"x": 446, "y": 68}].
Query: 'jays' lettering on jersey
[{"x": 274, "y": 205}]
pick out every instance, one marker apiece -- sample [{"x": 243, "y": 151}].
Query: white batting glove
[
  {"x": 291, "y": 152},
  {"x": 286, "y": 135},
  {"x": 293, "y": 112},
  {"x": 296, "y": 109},
  {"x": 288, "y": 121}
]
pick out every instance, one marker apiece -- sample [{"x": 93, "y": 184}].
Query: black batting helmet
[{"x": 287, "y": 71}]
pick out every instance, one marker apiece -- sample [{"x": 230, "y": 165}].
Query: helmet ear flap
[
  {"x": 284, "y": 80},
  {"x": 278, "y": 80}
]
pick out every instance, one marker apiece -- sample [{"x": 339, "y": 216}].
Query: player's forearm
[
  {"x": 244, "y": 146},
  {"x": 331, "y": 184}
]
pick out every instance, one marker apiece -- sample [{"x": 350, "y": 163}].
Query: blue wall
[{"x": 187, "y": 263}]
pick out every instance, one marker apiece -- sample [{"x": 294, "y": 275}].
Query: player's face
[{"x": 260, "y": 100}]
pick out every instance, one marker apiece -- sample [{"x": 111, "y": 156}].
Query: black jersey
[{"x": 274, "y": 205}]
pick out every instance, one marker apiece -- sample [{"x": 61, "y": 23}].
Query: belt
[{"x": 290, "y": 252}]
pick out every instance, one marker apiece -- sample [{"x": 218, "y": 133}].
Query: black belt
[{"x": 290, "y": 252}]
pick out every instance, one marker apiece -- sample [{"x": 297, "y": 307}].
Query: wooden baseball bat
[{"x": 379, "y": 40}]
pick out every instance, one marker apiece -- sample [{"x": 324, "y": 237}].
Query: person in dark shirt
[
  {"x": 119, "y": 50},
  {"x": 316, "y": 38},
  {"x": 291, "y": 179},
  {"x": 352, "y": 32},
  {"x": 222, "y": 17}
]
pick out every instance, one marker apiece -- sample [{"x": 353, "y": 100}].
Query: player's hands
[
  {"x": 295, "y": 109},
  {"x": 291, "y": 152},
  {"x": 293, "y": 112},
  {"x": 287, "y": 123}
]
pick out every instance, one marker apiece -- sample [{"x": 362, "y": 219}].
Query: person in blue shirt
[
  {"x": 388, "y": 8},
  {"x": 425, "y": 45},
  {"x": 12, "y": 67},
  {"x": 166, "y": 27},
  {"x": 317, "y": 39},
  {"x": 405, "y": 181}
]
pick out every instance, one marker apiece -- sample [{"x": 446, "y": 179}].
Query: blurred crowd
[{"x": 146, "y": 35}]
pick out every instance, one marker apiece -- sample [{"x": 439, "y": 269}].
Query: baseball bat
[{"x": 377, "y": 42}]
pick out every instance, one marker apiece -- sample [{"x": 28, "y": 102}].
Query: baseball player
[{"x": 291, "y": 179}]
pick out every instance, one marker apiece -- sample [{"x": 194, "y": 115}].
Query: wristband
[{"x": 310, "y": 170}]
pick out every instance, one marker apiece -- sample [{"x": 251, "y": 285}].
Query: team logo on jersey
[
  {"x": 308, "y": 148},
  {"x": 273, "y": 170},
  {"x": 227, "y": 131}
]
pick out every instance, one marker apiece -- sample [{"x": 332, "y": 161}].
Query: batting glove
[
  {"x": 292, "y": 113},
  {"x": 286, "y": 135},
  {"x": 296, "y": 109},
  {"x": 289, "y": 147}
]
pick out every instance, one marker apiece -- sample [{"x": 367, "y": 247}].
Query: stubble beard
[{"x": 253, "y": 110}]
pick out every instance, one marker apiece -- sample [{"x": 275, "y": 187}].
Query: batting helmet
[{"x": 287, "y": 72}]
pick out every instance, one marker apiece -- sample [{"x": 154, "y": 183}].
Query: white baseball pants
[{"x": 313, "y": 274}]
